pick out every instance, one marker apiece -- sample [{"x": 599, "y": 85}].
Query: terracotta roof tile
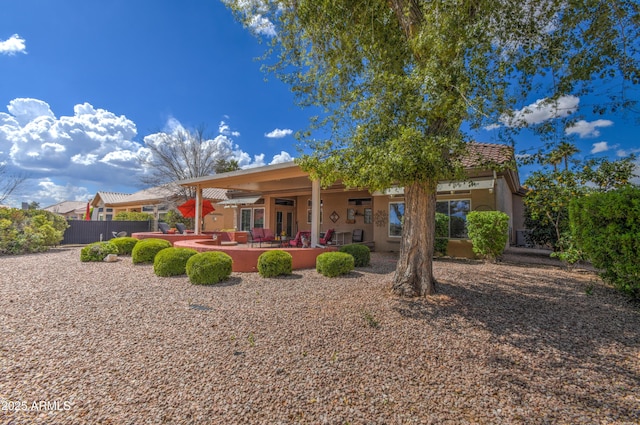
[{"x": 483, "y": 153}]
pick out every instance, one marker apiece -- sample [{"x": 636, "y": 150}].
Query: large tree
[
  {"x": 183, "y": 154},
  {"x": 397, "y": 81}
]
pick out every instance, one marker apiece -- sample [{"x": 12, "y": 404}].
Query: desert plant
[
  {"x": 606, "y": 227},
  {"x": 146, "y": 249},
  {"x": 361, "y": 254},
  {"x": 172, "y": 261},
  {"x": 488, "y": 231},
  {"x": 97, "y": 251},
  {"x": 275, "y": 263},
  {"x": 209, "y": 267},
  {"x": 125, "y": 244},
  {"x": 332, "y": 264}
]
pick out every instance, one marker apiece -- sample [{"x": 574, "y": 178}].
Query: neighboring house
[
  {"x": 71, "y": 210},
  {"x": 157, "y": 201},
  {"x": 282, "y": 196}
]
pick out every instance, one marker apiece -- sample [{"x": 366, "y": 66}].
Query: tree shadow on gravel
[{"x": 548, "y": 315}]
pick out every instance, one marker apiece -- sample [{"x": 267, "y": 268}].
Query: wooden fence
[{"x": 88, "y": 231}]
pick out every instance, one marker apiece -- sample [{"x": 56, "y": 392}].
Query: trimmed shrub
[
  {"x": 442, "y": 234},
  {"x": 488, "y": 231},
  {"x": 275, "y": 263},
  {"x": 97, "y": 251},
  {"x": 125, "y": 244},
  {"x": 332, "y": 264},
  {"x": 361, "y": 254},
  {"x": 172, "y": 261},
  {"x": 146, "y": 249},
  {"x": 132, "y": 216},
  {"x": 206, "y": 268},
  {"x": 606, "y": 227}
]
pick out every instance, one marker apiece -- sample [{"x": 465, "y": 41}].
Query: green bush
[
  {"x": 606, "y": 227},
  {"x": 125, "y": 244},
  {"x": 97, "y": 251},
  {"x": 275, "y": 263},
  {"x": 146, "y": 249},
  {"x": 172, "y": 261},
  {"x": 209, "y": 267},
  {"x": 442, "y": 234},
  {"x": 488, "y": 231},
  {"x": 332, "y": 264},
  {"x": 361, "y": 254},
  {"x": 24, "y": 231},
  {"x": 132, "y": 216}
]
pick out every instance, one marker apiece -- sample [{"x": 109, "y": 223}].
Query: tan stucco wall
[{"x": 500, "y": 199}]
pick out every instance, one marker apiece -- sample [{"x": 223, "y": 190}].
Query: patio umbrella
[
  {"x": 188, "y": 209},
  {"x": 87, "y": 215}
]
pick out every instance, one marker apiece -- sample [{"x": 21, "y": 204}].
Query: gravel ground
[{"x": 111, "y": 343}]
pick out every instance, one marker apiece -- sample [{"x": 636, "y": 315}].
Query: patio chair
[
  {"x": 326, "y": 240},
  {"x": 357, "y": 236},
  {"x": 163, "y": 227},
  {"x": 259, "y": 234},
  {"x": 297, "y": 241},
  {"x": 181, "y": 228},
  {"x": 119, "y": 234}
]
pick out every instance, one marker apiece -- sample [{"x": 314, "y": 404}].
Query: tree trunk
[{"x": 414, "y": 273}]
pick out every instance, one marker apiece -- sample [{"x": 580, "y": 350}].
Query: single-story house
[
  {"x": 282, "y": 197},
  {"x": 71, "y": 210},
  {"x": 158, "y": 201}
]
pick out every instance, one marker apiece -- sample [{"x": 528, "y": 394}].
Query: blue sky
[{"x": 83, "y": 83}]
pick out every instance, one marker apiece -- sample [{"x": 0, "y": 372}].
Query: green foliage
[
  {"x": 275, "y": 263},
  {"x": 606, "y": 227},
  {"x": 132, "y": 216},
  {"x": 97, "y": 251},
  {"x": 146, "y": 249},
  {"x": 442, "y": 234},
  {"x": 568, "y": 252},
  {"x": 24, "y": 231},
  {"x": 125, "y": 244},
  {"x": 332, "y": 264},
  {"x": 172, "y": 261},
  {"x": 361, "y": 254},
  {"x": 488, "y": 231},
  {"x": 173, "y": 217},
  {"x": 207, "y": 268}
]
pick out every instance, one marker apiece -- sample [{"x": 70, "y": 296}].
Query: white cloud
[
  {"x": 92, "y": 145},
  {"x": 588, "y": 129},
  {"x": 540, "y": 111},
  {"x": 254, "y": 13},
  {"x": 262, "y": 25},
  {"x": 278, "y": 133},
  {"x": 281, "y": 157},
  {"x": 600, "y": 147},
  {"x": 14, "y": 44},
  {"x": 225, "y": 130}
]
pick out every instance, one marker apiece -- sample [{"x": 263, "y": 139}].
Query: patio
[{"x": 244, "y": 255}]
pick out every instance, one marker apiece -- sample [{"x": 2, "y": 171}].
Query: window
[
  {"x": 457, "y": 211},
  {"x": 396, "y": 218},
  {"x": 250, "y": 218},
  {"x": 309, "y": 216},
  {"x": 245, "y": 219},
  {"x": 368, "y": 216}
]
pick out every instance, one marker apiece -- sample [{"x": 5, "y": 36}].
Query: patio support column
[
  {"x": 315, "y": 212},
  {"x": 198, "y": 217}
]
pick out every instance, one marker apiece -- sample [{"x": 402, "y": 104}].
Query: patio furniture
[
  {"x": 357, "y": 236},
  {"x": 260, "y": 235},
  {"x": 119, "y": 234},
  {"x": 297, "y": 241},
  {"x": 163, "y": 227},
  {"x": 326, "y": 240},
  {"x": 181, "y": 228}
]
